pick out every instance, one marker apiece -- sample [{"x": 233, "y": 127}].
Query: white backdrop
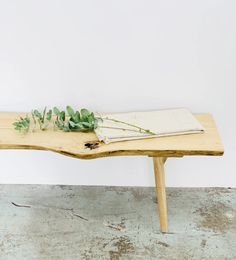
[{"x": 119, "y": 56}]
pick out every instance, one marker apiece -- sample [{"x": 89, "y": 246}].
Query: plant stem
[
  {"x": 125, "y": 123},
  {"x": 120, "y": 128},
  {"x": 32, "y": 115},
  {"x": 44, "y": 113}
]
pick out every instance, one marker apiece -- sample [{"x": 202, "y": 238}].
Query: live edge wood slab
[{"x": 74, "y": 145}]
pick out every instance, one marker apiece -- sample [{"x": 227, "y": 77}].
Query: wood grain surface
[{"x": 73, "y": 144}]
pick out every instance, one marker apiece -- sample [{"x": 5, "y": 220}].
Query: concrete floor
[{"x": 74, "y": 222}]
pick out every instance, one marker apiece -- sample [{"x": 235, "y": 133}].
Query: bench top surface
[{"x": 73, "y": 144}]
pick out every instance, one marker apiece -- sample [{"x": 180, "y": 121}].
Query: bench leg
[{"x": 161, "y": 191}]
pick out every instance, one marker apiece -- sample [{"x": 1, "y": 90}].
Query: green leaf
[
  {"x": 49, "y": 115},
  {"x": 59, "y": 124},
  {"x": 79, "y": 126},
  {"x": 32, "y": 114},
  {"x": 84, "y": 112},
  {"x": 37, "y": 114},
  {"x": 86, "y": 125},
  {"x": 70, "y": 111},
  {"x": 24, "y": 123},
  {"x": 56, "y": 111},
  {"x": 77, "y": 116},
  {"x": 66, "y": 128},
  {"x": 62, "y": 115},
  {"x": 72, "y": 124},
  {"x": 90, "y": 119}
]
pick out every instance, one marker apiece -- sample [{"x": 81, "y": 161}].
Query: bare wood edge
[{"x": 93, "y": 155}]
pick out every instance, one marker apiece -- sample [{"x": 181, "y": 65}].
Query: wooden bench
[{"x": 73, "y": 144}]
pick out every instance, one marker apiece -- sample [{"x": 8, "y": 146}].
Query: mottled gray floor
[{"x": 74, "y": 222}]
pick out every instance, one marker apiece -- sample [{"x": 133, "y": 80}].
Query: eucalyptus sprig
[
  {"x": 70, "y": 120},
  {"x": 43, "y": 119},
  {"x": 66, "y": 120},
  {"x": 23, "y": 124}
]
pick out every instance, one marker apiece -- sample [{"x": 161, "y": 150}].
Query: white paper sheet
[{"x": 161, "y": 122}]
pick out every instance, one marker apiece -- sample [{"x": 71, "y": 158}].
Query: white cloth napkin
[{"x": 161, "y": 122}]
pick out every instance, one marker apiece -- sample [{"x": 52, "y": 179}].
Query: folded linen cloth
[{"x": 139, "y": 125}]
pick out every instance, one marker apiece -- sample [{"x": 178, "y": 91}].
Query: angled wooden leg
[{"x": 161, "y": 191}]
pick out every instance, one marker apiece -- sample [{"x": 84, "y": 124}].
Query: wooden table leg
[{"x": 161, "y": 191}]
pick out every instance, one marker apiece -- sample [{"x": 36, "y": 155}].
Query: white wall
[{"x": 119, "y": 56}]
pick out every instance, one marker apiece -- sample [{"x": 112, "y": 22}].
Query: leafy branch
[
  {"x": 23, "y": 124},
  {"x": 69, "y": 120},
  {"x": 42, "y": 119}
]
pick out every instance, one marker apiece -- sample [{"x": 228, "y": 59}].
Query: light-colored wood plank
[
  {"x": 161, "y": 192},
  {"x": 72, "y": 144}
]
